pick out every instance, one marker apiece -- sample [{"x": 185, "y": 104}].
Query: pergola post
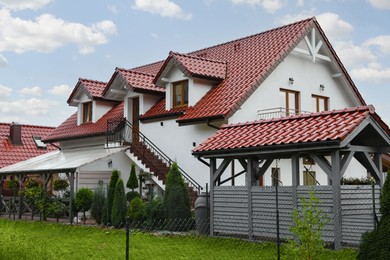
[
  {"x": 248, "y": 184},
  {"x": 336, "y": 189},
  {"x": 295, "y": 178},
  {"x": 71, "y": 182},
  {"x": 213, "y": 169}
]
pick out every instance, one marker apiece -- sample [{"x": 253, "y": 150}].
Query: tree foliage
[
  {"x": 110, "y": 194},
  {"x": 84, "y": 200},
  {"x": 132, "y": 182},
  {"x": 119, "y": 207},
  {"x": 136, "y": 210},
  {"x": 307, "y": 227},
  {"x": 176, "y": 203},
  {"x": 376, "y": 244},
  {"x": 97, "y": 208}
]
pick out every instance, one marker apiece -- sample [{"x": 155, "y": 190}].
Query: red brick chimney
[{"x": 15, "y": 134}]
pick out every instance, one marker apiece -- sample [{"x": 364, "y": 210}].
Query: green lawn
[{"x": 42, "y": 240}]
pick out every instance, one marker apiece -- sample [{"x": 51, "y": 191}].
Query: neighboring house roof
[
  {"x": 324, "y": 126},
  {"x": 70, "y": 130},
  {"x": 11, "y": 153},
  {"x": 92, "y": 88},
  {"x": 192, "y": 66}
]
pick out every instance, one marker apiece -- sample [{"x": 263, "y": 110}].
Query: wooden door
[{"x": 135, "y": 118}]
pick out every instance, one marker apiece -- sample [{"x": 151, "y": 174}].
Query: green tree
[
  {"x": 375, "y": 244},
  {"x": 136, "y": 211},
  {"x": 119, "y": 207},
  {"x": 97, "y": 208},
  {"x": 176, "y": 203},
  {"x": 307, "y": 227},
  {"x": 84, "y": 199},
  {"x": 132, "y": 182},
  {"x": 110, "y": 195}
]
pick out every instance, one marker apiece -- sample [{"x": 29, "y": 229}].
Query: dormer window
[
  {"x": 38, "y": 142},
  {"x": 87, "y": 112},
  {"x": 180, "y": 93}
]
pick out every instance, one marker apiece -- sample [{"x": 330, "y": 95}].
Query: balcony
[{"x": 278, "y": 112}]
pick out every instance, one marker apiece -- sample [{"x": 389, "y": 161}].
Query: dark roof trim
[
  {"x": 200, "y": 120},
  {"x": 161, "y": 117}
]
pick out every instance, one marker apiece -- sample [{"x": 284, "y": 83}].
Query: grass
[{"x": 42, "y": 240}]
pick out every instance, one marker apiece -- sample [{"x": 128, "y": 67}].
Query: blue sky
[{"x": 47, "y": 45}]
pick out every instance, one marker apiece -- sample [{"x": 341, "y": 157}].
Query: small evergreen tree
[
  {"x": 84, "y": 199},
  {"x": 375, "y": 244},
  {"x": 98, "y": 204},
  {"x": 110, "y": 194},
  {"x": 119, "y": 207},
  {"x": 136, "y": 211},
  {"x": 132, "y": 182},
  {"x": 176, "y": 203}
]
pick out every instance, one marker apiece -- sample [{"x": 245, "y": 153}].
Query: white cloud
[
  {"x": 35, "y": 91},
  {"x": 5, "y": 91},
  {"x": 113, "y": 9},
  {"x": 164, "y": 8},
  {"x": 300, "y": 3},
  {"x": 60, "y": 90},
  {"x": 32, "y": 106},
  {"x": 334, "y": 27},
  {"x": 3, "y": 61},
  {"x": 269, "y": 5},
  {"x": 382, "y": 42},
  {"x": 373, "y": 73},
  {"x": 24, "y": 4},
  {"x": 380, "y": 4},
  {"x": 47, "y": 33},
  {"x": 353, "y": 55}
]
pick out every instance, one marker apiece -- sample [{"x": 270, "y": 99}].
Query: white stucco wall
[{"x": 99, "y": 109}]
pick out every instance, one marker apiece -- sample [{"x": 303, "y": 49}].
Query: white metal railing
[{"x": 278, "y": 112}]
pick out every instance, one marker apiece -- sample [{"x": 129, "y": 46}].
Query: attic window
[
  {"x": 38, "y": 142},
  {"x": 180, "y": 94},
  {"x": 87, "y": 112}
]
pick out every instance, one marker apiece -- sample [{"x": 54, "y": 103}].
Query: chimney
[{"x": 16, "y": 134}]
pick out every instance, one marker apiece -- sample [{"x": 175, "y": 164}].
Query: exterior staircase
[{"x": 122, "y": 133}]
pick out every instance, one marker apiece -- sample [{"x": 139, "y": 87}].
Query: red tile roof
[
  {"x": 10, "y": 154},
  {"x": 159, "y": 111},
  {"x": 315, "y": 127},
  {"x": 70, "y": 130},
  {"x": 93, "y": 88},
  {"x": 194, "y": 66},
  {"x": 138, "y": 80}
]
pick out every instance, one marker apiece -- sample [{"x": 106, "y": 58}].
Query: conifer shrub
[
  {"x": 376, "y": 244},
  {"x": 136, "y": 211},
  {"x": 110, "y": 195},
  {"x": 119, "y": 206},
  {"x": 132, "y": 182},
  {"x": 97, "y": 208},
  {"x": 154, "y": 214},
  {"x": 176, "y": 203},
  {"x": 131, "y": 195}
]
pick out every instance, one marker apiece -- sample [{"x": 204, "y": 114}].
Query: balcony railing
[{"x": 278, "y": 112}]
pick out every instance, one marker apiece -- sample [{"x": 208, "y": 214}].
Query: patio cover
[{"x": 67, "y": 160}]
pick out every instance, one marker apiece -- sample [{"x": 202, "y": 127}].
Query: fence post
[{"x": 127, "y": 237}]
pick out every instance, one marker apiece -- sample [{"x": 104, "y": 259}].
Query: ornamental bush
[
  {"x": 84, "y": 200},
  {"x": 176, "y": 203},
  {"x": 132, "y": 182},
  {"x": 98, "y": 204},
  {"x": 132, "y": 195},
  {"x": 136, "y": 210},
  {"x": 110, "y": 195},
  {"x": 376, "y": 244},
  {"x": 119, "y": 206}
]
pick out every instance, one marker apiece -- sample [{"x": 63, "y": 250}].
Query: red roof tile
[
  {"x": 315, "y": 127},
  {"x": 10, "y": 154},
  {"x": 70, "y": 130},
  {"x": 139, "y": 80},
  {"x": 159, "y": 111},
  {"x": 194, "y": 66},
  {"x": 93, "y": 88}
]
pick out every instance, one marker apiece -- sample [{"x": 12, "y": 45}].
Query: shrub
[
  {"x": 375, "y": 244},
  {"x": 84, "y": 199},
  {"x": 131, "y": 195},
  {"x": 60, "y": 184},
  {"x": 119, "y": 207},
  {"x": 136, "y": 210},
  {"x": 307, "y": 229},
  {"x": 154, "y": 213},
  {"x": 98, "y": 204},
  {"x": 111, "y": 193},
  {"x": 176, "y": 203},
  {"x": 132, "y": 182},
  {"x": 56, "y": 208}
]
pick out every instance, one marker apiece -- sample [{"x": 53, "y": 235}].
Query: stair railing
[{"x": 121, "y": 131}]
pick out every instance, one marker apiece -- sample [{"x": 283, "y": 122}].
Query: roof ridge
[
  {"x": 135, "y": 71},
  {"x": 28, "y": 125},
  {"x": 197, "y": 57},
  {"x": 253, "y": 35},
  {"x": 92, "y": 80}
]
